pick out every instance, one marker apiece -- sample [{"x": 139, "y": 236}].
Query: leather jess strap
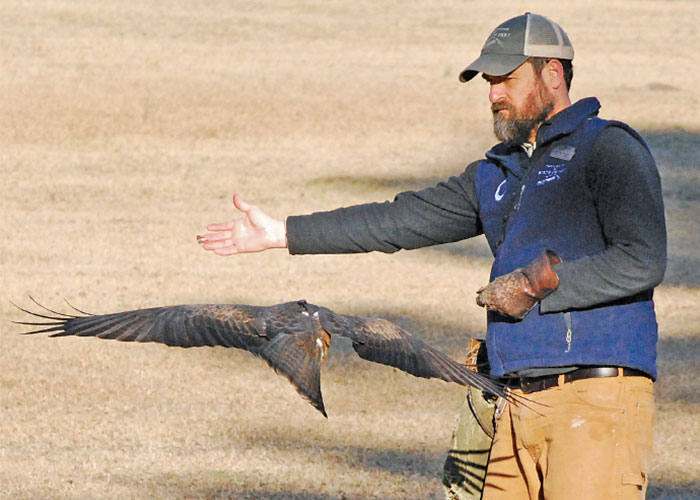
[{"x": 534, "y": 384}]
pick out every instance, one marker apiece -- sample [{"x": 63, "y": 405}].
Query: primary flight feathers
[{"x": 293, "y": 338}]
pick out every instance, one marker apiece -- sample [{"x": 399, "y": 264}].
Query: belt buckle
[
  {"x": 523, "y": 384},
  {"x": 528, "y": 386}
]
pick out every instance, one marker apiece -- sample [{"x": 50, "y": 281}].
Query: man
[{"x": 571, "y": 207}]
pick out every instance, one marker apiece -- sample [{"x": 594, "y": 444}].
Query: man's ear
[{"x": 553, "y": 74}]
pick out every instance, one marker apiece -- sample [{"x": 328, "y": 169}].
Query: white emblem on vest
[
  {"x": 550, "y": 173},
  {"x": 498, "y": 196}
]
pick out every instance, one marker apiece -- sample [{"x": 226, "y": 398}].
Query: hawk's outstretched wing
[
  {"x": 293, "y": 338},
  {"x": 381, "y": 341}
]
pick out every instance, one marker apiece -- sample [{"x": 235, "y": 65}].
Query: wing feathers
[
  {"x": 293, "y": 338},
  {"x": 381, "y": 341},
  {"x": 182, "y": 326}
]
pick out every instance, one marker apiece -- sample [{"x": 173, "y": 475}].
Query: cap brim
[{"x": 492, "y": 64}]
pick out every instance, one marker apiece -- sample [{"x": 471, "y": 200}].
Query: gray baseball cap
[{"x": 510, "y": 45}]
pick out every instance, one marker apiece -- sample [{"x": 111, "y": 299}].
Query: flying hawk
[{"x": 293, "y": 338}]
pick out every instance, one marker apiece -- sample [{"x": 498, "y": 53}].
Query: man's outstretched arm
[
  {"x": 254, "y": 232},
  {"x": 439, "y": 214}
]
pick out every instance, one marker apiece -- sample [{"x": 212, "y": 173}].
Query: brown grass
[{"x": 126, "y": 126}]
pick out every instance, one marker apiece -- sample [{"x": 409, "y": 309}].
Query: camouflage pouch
[{"x": 465, "y": 466}]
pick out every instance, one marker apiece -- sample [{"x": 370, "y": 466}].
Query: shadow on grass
[
  {"x": 257, "y": 484},
  {"x": 661, "y": 490},
  {"x": 234, "y": 494},
  {"x": 375, "y": 184},
  {"x": 403, "y": 463},
  {"x": 658, "y": 490},
  {"x": 678, "y": 381},
  {"x": 677, "y": 153}
]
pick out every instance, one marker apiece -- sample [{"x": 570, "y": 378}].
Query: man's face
[{"x": 520, "y": 102}]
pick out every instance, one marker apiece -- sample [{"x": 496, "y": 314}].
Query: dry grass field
[{"x": 126, "y": 126}]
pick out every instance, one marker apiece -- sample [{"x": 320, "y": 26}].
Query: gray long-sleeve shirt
[{"x": 622, "y": 176}]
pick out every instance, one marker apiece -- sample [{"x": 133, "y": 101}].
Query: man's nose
[{"x": 495, "y": 92}]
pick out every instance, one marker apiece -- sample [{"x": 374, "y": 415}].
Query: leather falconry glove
[{"x": 515, "y": 294}]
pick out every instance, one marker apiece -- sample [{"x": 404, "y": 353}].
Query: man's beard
[{"x": 518, "y": 127}]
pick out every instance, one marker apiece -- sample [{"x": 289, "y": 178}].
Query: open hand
[{"x": 255, "y": 232}]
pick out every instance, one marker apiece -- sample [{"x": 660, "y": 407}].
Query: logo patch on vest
[
  {"x": 500, "y": 191},
  {"x": 550, "y": 173},
  {"x": 563, "y": 152}
]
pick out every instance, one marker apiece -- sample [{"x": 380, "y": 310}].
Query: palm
[{"x": 254, "y": 232}]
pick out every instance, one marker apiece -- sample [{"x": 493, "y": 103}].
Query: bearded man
[{"x": 571, "y": 207}]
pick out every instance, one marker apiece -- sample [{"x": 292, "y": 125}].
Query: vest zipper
[
  {"x": 569, "y": 335},
  {"x": 520, "y": 197},
  {"x": 516, "y": 204}
]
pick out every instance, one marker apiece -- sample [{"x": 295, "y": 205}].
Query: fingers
[
  {"x": 230, "y": 250},
  {"x": 219, "y": 244},
  {"x": 479, "y": 299},
  {"x": 223, "y": 232},
  {"x": 212, "y": 237},
  {"x": 241, "y": 204},
  {"x": 221, "y": 226}
]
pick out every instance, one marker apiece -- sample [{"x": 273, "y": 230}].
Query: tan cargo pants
[{"x": 587, "y": 439}]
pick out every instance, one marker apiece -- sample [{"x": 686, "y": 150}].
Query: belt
[{"x": 534, "y": 384}]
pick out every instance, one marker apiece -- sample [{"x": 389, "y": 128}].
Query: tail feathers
[{"x": 289, "y": 357}]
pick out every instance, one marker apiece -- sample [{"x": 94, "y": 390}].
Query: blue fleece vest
[{"x": 528, "y": 205}]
